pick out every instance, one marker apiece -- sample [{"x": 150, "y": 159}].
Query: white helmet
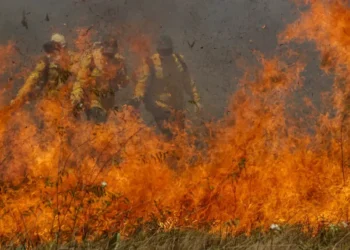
[{"x": 58, "y": 38}]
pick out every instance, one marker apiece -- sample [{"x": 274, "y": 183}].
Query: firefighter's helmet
[
  {"x": 164, "y": 43},
  {"x": 58, "y": 38}
]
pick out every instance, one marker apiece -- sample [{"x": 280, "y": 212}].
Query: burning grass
[{"x": 64, "y": 180}]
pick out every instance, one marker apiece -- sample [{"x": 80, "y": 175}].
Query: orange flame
[{"x": 75, "y": 180}]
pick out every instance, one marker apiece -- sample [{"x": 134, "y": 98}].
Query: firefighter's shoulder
[
  {"x": 154, "y": 59},
  {"x": 155, "y": 56},
  {"x": 41, "y": 64}
]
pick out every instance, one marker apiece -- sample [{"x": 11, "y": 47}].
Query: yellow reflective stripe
[
  {"x": 196, "y": 96},
  {"x": 158, "y": 68},
  {"x": 96, "y": 72},
  {"x": 77, "y": 93},
  {"x": 178, "y": 63},
  {"x": 96, "y": 104},
  {"x": 140, "y": 89},
  {"x": 164, "y": 96},
  {"x": 143, "y": 75},
  {"x": 162, "y": 105},
  {"x": 119, "y": 56}
]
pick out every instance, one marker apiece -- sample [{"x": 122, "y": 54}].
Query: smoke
[{"x": 214, "y": 36}]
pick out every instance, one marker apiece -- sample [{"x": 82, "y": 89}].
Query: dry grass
[{"x": 287, "y": 238}]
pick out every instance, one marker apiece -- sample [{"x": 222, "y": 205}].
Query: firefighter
[
  {"x": 162, "y": 81},
  {"x": 51, "y": 72},
  {"x": 49, "y": 75},
  {"x": 102, "y": 73},
  {"x": 67, "y": 55}
]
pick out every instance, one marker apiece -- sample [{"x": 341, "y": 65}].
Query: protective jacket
[
  {"x": 162, "y": 82},
  {"x": 98, "y": 79},
  {"x": 48, "y": 76}
]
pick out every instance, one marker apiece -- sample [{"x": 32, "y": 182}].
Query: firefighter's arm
[
  {"x": 190, "y": 87},
  {"x": 74, "y": 62},
  {"x": 142, "y": 76},
  {"x": 83, "y": 75},
  {"x": 33, "y": 79},
  {"x": 123, "y": 76}
]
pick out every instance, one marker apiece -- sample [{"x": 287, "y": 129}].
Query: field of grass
[{"x": 281, "y": 238}]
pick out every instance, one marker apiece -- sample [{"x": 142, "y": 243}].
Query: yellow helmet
[{"x": 58, "y": 38}]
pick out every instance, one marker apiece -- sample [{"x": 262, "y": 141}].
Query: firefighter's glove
[{"x": 78, "y": 109}]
